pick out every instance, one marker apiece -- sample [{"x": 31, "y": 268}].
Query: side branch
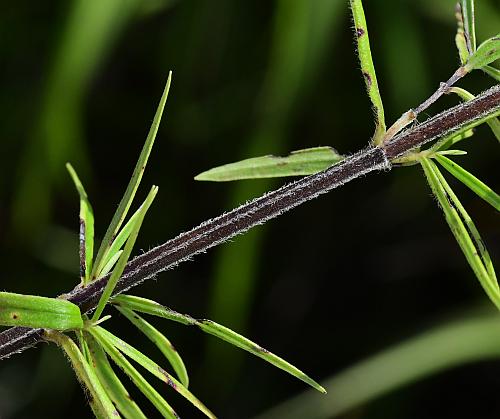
[{"x": 266, "y": 207}]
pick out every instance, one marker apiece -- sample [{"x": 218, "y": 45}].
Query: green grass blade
[
  {"x": 163, "y": 344},
  {"x": 140, "y": 382},
  {"x": 86, "y": 228},
  {"x": 487, "y": 52},
  {"x": 153, "y": 308},
  {"x": 110, "y": 381},
  {"x": 368, "y": 69},
  {"x": 297, "y": 163},
  {"x": 469, "y": 180},
  {"x": 129, "y": 194},
  {"x": 492, "y": 71},
  {"x": 469, "y": 24},
  {"x": 122, "y": 261},
  {"x": 35, "y": 311},
  {"x": 117, "y": 244},
  {"x": 462, "y": 228},
  {"x": 86, "y": 375},
  {"x": 494, "y": 123},
  {"x": 58, "y": 120},
  {"x": 128, "y": 350}
]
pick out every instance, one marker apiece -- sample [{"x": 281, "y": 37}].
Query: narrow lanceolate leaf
[
  {"x": 297, "y": 163},
  {"x": 153, "y": 308},
  {"x": 110, "y": 381},
  {"x": 107, "y": 268},
  {"x": 486, "y": 53},
  {"x": 460, "y": 37},
  {"x": 478, "y": 242},
  {"x": 494, "y": 123},
  {"x": 492, "y": 71},
  {"x": 469, "y": 180},
  {"x": 452, "y": 153},
  {"x": 163, "y": 344},
  {"x": 122, "y": 261},
  {"x": 117, "y": 244},
  {"x": 103, "y": 335},
  {"x": 38, "y": 312},
  {"x": 240, "y": 341},
  {"x": 86, "y": 228},
  {"x": 144, "y": 305},
  {"x": 101, "y": 403},
  {"x": 95, "y": 405},
  {"x": 129, "y": 194},
  {"x": 449, "y": 140},
  {"x": 464, "y": 231},
  {"x": 140, "y": 382},
  {"x": 469, "y": 22},
  {"x": 368, "y": 69}
]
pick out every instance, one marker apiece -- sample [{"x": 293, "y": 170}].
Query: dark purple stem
[{"x": 264, "y": 208}]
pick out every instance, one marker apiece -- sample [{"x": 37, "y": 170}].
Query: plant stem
[{"x": 266, "y": 207}]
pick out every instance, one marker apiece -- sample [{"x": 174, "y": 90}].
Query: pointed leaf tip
[{"x": 297, "y": 163}]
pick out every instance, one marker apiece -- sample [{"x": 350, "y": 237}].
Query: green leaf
[
  {"x": 34, "y": 311},
  {"x": 460, "y": 37},
  {"x": 494, "y": 123},
  {"x": 469, "y": 180},
  {"x": 154, "y": 397},
  {"x": 464, "y": 230},
  {"x": 449, "y": 140},
  {"x": 103, "y": 335},
  {"x": 118, "y": 242},
  {"x": 144, "y": 305},
  {"x": 452, "y": 153},
  {"x": 492, "y": 71},
  {"x": 101, "y": 402},
  {"x": 163, "y": 344},
  {"x": 297, "y": 163},
  {"x": 129, "y": 194},
  {"x": 486, "y": 53},
  {"x": 368, "y": 69},
  {"x": 111, "y": 383},
  {"x": 111, "y": 263},
  {"x": 240, "y": 341},
  {"x": 122, "y": 261},
  {"x": 469, "y": 24},
  {"x": 86, "y": 228}
]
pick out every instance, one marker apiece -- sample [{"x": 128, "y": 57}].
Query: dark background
[{"x": 324, "y": 286}]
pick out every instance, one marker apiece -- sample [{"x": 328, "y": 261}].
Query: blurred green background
[{"x": 329, "y": 284}]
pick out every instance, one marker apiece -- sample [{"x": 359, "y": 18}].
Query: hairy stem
[{"x": 266, "y": 207}]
